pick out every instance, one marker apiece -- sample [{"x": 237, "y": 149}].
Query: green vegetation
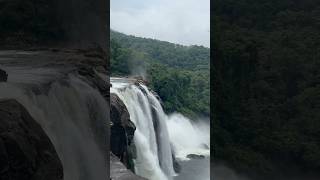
[
  {"x": 266, "y": 87},
  {"x": 179, "y": 74}
]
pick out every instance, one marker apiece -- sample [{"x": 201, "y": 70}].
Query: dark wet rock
[
  {"x": 119, "y": 172},
  {"x": 140, "y": 80},
  {"x": 3, "y": 76},
  {"x": 26, "y": 152},
  {"x": 97, "y": 80},
  {"x": 122, "y": 131},
  {"x": 101, "y": 69},
  {"x": 92, "y": 64},
  {"x": 176, "y": 165},
  {"x": 195, "y": 156}
]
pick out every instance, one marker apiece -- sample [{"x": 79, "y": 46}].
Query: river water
[{"x": 195, "y": 169}]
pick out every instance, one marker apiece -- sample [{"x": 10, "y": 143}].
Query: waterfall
[
  {"x": 188, "y": 137},
  {"x": 158, "y": 135},
  {"x": 72, "y": 113},
  {"x": 151, "y": 138}
]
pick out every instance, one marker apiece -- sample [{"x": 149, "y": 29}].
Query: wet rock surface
[
  {"x": 122, "y": 131},
  {"x": 36, "y": 70},
  {"x": 195, "y": 156},
  {"x": 3, "y": 76},
  {"x": 120, "y": 172},
  {"x": 26, "y": 152},
  {"x": 176, "y": 164},
  {"x": 91, "y": 64}
]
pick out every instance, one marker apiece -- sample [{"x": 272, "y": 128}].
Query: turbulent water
[
  {"x": 159, "y": 136},
  {"x": 151, "y": 138},
  {"x": 188, "y": 137},
  {"x": 71, "y": 112},
  {"x": 195, "y": 169}
]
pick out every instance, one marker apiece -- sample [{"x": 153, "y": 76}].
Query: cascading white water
[
  {"x": 151, "y": 138},
  {"x": 157, "y": 132},
  {"x": 188, "y": 137},
  {"x": 162, "y": 134},
  {"x": 71, "y": 112}
]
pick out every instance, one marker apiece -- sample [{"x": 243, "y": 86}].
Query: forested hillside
[
  {"x": 266, "y": 87},
  {"x": 179, "y": 74}
]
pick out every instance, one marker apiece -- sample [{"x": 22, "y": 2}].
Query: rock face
[
  {"x": 176, "y": 165},
  {"x": 25, "y": 150},
  {"x": 122, "y": 131},
  {"x": 3, "y": 76},
  {"x": 195, "y": 156},
  {"x": 121, "y": 140},
  {"x": 120, "y": 172}
]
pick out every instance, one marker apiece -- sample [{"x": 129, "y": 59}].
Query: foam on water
[
  {"x": 188, "y": 137},
  {"x": 154, "y": 155},
  {"x": 159, "y": 136}
]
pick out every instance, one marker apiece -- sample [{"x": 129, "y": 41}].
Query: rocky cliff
[
  {"x": 122, "y": 131},
  {"x": 91, "y": 65},
  {"x": 26, "y": 152},
  {"x": 121, "y": 141}
]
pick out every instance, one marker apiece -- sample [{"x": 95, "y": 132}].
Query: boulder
[
  {"x": 3, "y": 76},
  {"x": 122, "y": 131},
  {"x": 26, "y": 152},
  {"x": 195, "y": 156}
]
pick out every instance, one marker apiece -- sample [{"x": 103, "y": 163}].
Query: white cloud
[{"x": 179, "y": 21}]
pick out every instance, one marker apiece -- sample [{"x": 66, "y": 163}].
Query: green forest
[
  {"x": 266, "y": 87},
  {"x": 179, "y": 74}
]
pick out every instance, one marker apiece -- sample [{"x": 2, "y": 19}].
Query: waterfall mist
[{"x": 188, "y": 137}]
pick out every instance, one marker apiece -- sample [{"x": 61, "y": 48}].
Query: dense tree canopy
[
  {"x": 266, "y": 87},
  {"x": 179, "y": 74}
]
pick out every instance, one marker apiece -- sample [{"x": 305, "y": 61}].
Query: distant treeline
[
  {"x": 266, "y": 87},
  {"x": 179, "y": 74}
]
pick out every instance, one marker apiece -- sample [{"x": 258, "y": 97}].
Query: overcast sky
[{"x": 184, "y": 22}]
